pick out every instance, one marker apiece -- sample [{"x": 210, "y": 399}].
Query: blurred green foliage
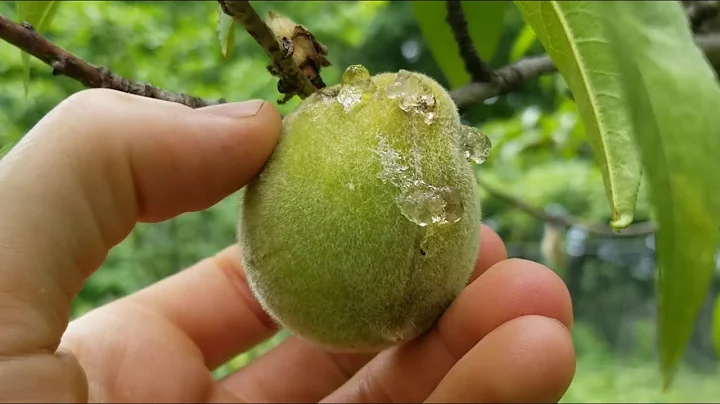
[{"x": 540, "y": 155}]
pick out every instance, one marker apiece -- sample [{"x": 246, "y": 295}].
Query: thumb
[{"x": 87, "y": 172}]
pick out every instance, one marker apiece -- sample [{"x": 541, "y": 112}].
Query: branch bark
[
  {"x": 479, "y": 70},
  {"x": 507, "y": 79},
  {"x": 513, "y": 77},
  {"x": 635, "y": 230},
  {"x": 292, "y": 80},
  {"x": 64, "y": 63}
]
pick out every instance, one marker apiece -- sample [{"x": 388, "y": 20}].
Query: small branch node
[
  {"x": 58, "y": 67},
  {"x": 296, "y": 55}
]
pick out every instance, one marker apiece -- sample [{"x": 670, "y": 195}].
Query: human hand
[{"x": 102, "y": 161}]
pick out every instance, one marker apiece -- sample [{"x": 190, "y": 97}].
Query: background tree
[{"x": 569, "y": 150}]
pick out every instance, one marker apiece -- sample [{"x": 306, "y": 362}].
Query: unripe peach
[{"x": 363, "y": 226}]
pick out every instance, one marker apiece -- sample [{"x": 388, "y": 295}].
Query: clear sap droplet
[
  {"x": 393, "y": 169},
  {"x": 421, "y": 207},
  {"x": 429, "y": 118},
  {"x": 356, "y": 76},
  {"x": 420, "y": 202},
  {"x": 349, "y": 97},
  {"x": 427, "y": 204},
  {"x": 413, "y": 96},
  {"x": 475, "y": 144},
  {"x": 453, "y": 204},
  {"x": 355, "y": 81}
]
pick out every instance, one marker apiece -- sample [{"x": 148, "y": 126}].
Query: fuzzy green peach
[{"x": 363, "y": 226}]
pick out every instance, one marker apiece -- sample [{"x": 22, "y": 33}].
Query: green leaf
[
  {"x": 716, "y": 326},
  {"x": 573, "y": 37},
  {"x": 525, "y": 39},
  {"x": 486, "y": 21},
  {"x": 226, "y": 32},
  {"x": 674, "y": 97},
  {"x": 39, "y": 14},
  {"x": 485, "y": 24}
]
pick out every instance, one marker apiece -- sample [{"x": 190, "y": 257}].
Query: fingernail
[{"x": 245, "y": 109}]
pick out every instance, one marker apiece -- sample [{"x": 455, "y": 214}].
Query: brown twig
[
  {"x": 514, "y": 76},
  {"x": 64, "y": 63},
  {"x": 479, "y": 70},
  {"x": 292, "y": 80},
  {"x": 507, "y": 79},
  {"x": 639, "y": 229}
]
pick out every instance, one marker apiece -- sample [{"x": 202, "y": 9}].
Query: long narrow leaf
[
  {"x": 716, "y": 326},
  {"x": 226, "y": 32},
  {"x": 486, "y": 21},
  {"x": 524, "y": 40},
  {"x": 39, "y": 14},
  {"x": 675, "y": 99},
  {"x": 573, "y": 37}
]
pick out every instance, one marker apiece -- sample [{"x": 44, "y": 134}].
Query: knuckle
[{"x": 89, "y": 99}]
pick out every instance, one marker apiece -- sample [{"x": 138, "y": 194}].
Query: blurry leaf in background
[
  {"x": 5, "y": 149},
  {"x": 524, "y": 40},
  {"x": 485, "y": 25},
  {"x": 573, "y": 37},
  {"x": 486, "y": 21},
  {"x": 226, "y": 32},
  {"x": 716, "y": 326},
  {"x": 659, "y": 64},
  {"x": 39, "y": 14}
]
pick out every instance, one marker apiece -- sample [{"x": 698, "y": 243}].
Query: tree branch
[
  {"x": 479, "y": 70},
  {"x": 507, "y": 79},
  {"x": 639, "y": 229},
  {"x": 292, "y": 80},
  {"x": 64, "y": 63}
]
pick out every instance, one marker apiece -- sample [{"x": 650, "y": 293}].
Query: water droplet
[
  {"x": 475, "y": 144},
  {"x": 414, "y": 96}
]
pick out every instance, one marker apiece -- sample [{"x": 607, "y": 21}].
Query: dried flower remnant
[{"x": 298, "y": 42}]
